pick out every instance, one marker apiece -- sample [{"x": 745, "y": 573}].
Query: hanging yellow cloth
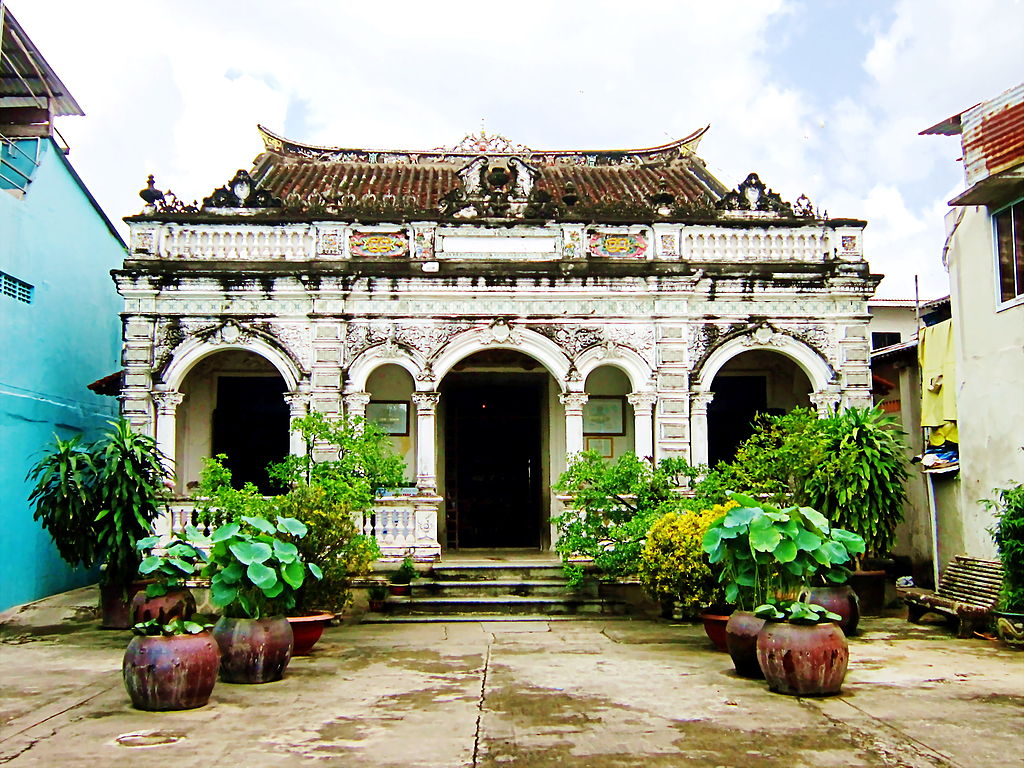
[{"x": 936, "y": 355}]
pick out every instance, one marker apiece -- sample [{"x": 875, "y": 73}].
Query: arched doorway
[
  {"x": 754, "y": 382},
  {"x": 494, "y": 429},
  {"x": 233, "y": 404},
  {"x": 390, "y": 387},
  {"x": 608, "y": 424}
]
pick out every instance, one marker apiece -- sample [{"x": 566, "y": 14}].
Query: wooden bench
[{"x": 968, "y": 592}]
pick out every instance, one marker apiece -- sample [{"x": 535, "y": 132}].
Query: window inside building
[
  {"x": 15, "y": 288},
  {"x": 1010, "y": 251},
  {"x": 881, "y": 339}
]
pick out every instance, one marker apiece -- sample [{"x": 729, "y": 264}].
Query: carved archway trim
[
  {"x": 817, "y": 369},
  {"x": 637, "y": 370},
  {"x": 520, "y": 339},
  {"x": 369, "y": 360},
  {"x": 193, "y": 350}
]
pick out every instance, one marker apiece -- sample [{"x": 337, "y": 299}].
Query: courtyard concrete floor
[{"x": 516, "y": 694}]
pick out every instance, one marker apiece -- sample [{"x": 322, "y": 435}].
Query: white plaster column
[
  {"x": 825, "y": 402},
  {"x": 167, "y": 402},
  {"x": 298, "y": 406},
  {"x": 355, "y": 404},
  {"x": 573, "y": 403},
  {"x": 699, "y": 402},
  {"x": 643, "y": 425},
  {"x": 426, "y": 461}
]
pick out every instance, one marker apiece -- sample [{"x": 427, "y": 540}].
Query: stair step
[
  {"x": 504, "y": 604},
  {"x": 497, "y": 587},
  {"x": 384, "y": 618}
]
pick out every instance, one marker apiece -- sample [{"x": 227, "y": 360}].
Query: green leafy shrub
[
  {"x": 1008, "y": 534},
  {"x": 796, "y": 612},
  {"x": 98, "y": 499},
  {"x": 405, "y": 573},
  {"x": 170, "y": 563},
  {"x": 673, "y": 564}
]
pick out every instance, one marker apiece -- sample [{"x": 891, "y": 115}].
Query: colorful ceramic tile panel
[
  {"x": 376, "y": 245},
  {"x": 619, "y": 246}
]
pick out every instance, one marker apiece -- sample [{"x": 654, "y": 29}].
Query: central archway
[{"x": 494, "y": 414}]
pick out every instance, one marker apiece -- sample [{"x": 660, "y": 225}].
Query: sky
[{"x": 819, "y": 97}]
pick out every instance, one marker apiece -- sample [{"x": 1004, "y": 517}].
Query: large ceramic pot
[
  {"x": 253, "y": 650},
  {"x": 803, "y": 659},
  {"x": 741, "y": 641},
  {"x": 178, "y": 603},
  {"x": 1010, "y": 627},
  {"x": 840, "y": 599},
  {"x": 176, "y": 672},
  {"x": 115, "y": 604},
  {"x": 870, "y": 589},
  {"x": 714, "y": 628},
  {"x": 307, "y": 630}
]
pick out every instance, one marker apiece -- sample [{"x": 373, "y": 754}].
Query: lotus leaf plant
[
  {"x": 170, "y": 563},
  {"x": 796, "y": 612},
  {"x": 766, "y": 552},
  {"x": 253, "y": 572}
]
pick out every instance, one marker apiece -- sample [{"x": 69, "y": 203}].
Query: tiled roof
[{"x": 420, "y": 178}]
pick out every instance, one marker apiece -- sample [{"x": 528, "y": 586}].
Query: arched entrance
[
  {"x": 495, "y": 435},
  {"x": 233, "y": 403},
  {"x": 754, "y": 382}
]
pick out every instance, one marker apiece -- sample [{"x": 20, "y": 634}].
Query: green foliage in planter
[
  {"x": 613, "y": 506},
  {"x": 859, "y": 482},
  {"x": 217, "y": 501},
  {"x": 333, "y": 542},
  {"x": 176, "y": 626},
  {"x": 673, "y": 564},
  {"x": 767, "y": 552},
  {"x": 254, "y": 570},
  {"x": 98, "y": 499},
  {"x": 1008, "y": 534},
  {"x": 796, "y": 612},
  {"x": 405, "y": 573},
  {"x": 170, "y": 563}
]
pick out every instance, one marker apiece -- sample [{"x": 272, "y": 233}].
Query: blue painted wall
[{"x": 54, "y": 238}]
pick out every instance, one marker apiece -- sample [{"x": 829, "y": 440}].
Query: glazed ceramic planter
[
  {"x": 178, "y": 603},
  {"x": 307, "y": 630},
  {"x": 803, "y": 659},
  {"x": 840, "y": 599},
  {"x": 741, "y": 633},
  {"x": 176, "y": 672},
  {"x": 115, "y": 604},
  {"x": 253, "y": 650},
  {"x": 714, "y": 628}
]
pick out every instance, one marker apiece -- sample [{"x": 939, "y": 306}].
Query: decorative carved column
[
  {"x": 643, "y": 424},
  {"x": 355, "y": 404},
  {"x": 699, "y": 402},
  {"x": 825, "y": 402},
  {"x": 298, "y": 406},
  {"x": 573, "y": 403},
  {"x": 426, "y": 462},
  {"x": 167, "y": 403}
]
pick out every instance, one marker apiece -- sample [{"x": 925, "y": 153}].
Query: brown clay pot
[
  {"x": 870, "y": 589},
  {"x": 803, "y": 659},
  {"x": 714, "y": 628},
  {"x": 840, "y": 599},
  {"x": 741, "y": 641},
  {"x": 253, "y": 650},
  {"x": 306, "y": 630},
  {"x": 115, "y": 604},
  {"x": 177, "y": 672},
  {"x": 178, "y": 603}
]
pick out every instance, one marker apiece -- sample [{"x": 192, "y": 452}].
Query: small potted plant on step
[
  {"x": 801, "y": 649},
  {"x": 402, "y": 578},
  {"x": 170, "y": 665}
]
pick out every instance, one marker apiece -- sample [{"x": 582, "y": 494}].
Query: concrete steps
[{"x": 496, "y": 591}]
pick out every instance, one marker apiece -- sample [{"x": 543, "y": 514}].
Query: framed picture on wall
[
  {"x": 392, "y": 416},
  {"x": 602, "y": 445},
  {"x": 604, "y": 415}
]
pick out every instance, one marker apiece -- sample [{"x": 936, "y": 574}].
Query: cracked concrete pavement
[{"x": 571, "y": 693}]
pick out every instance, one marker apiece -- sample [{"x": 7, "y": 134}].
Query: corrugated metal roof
[
  {"x": 993, "y": 135},
  {"x": 26, "y": 80}
]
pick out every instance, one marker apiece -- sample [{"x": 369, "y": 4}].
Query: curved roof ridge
[{"x": 276, "y": 143}]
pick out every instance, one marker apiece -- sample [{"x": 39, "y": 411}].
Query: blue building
[{"x": 58, "y": 308}]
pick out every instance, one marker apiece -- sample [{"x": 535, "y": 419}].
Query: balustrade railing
[{"x": 753, "y": 245}]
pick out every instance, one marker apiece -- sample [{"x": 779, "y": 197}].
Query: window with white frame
[{"x": 1009, "y": 224}]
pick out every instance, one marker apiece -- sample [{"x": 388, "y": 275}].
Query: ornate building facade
[{"x": 495, "y": 308}]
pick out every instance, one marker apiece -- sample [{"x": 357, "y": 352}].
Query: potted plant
[
  {"x": 801, "y": 650},
  {"x": 254, "y": 573},
  {"x": 377, "y": 594},
  {"x": 170, "y": 665},
  {"x": 168, "y": 566},
  {"x": 674, "y": 567},
  {"x": 402, "y": 577},
  {"x": 97, "y": 500},
  {"x": 1008, "y": 534},
  {"x": 766, "y": 554}
]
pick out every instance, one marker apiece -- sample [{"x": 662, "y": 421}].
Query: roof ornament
[
  {"x": 753, "y": 196},
  {"x": 485, "y": 143},
  {"x": 163, "y": 202},
  {"x": 241, "y": 192}
]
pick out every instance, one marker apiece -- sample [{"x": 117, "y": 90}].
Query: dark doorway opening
[
  {"x": 250, "y": 426},
  {"x": 737, "y": 401},
  {"x": 493, "y": 460}
]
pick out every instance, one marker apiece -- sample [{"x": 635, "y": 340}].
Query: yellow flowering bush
[{"x": 673, "y": 565}]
